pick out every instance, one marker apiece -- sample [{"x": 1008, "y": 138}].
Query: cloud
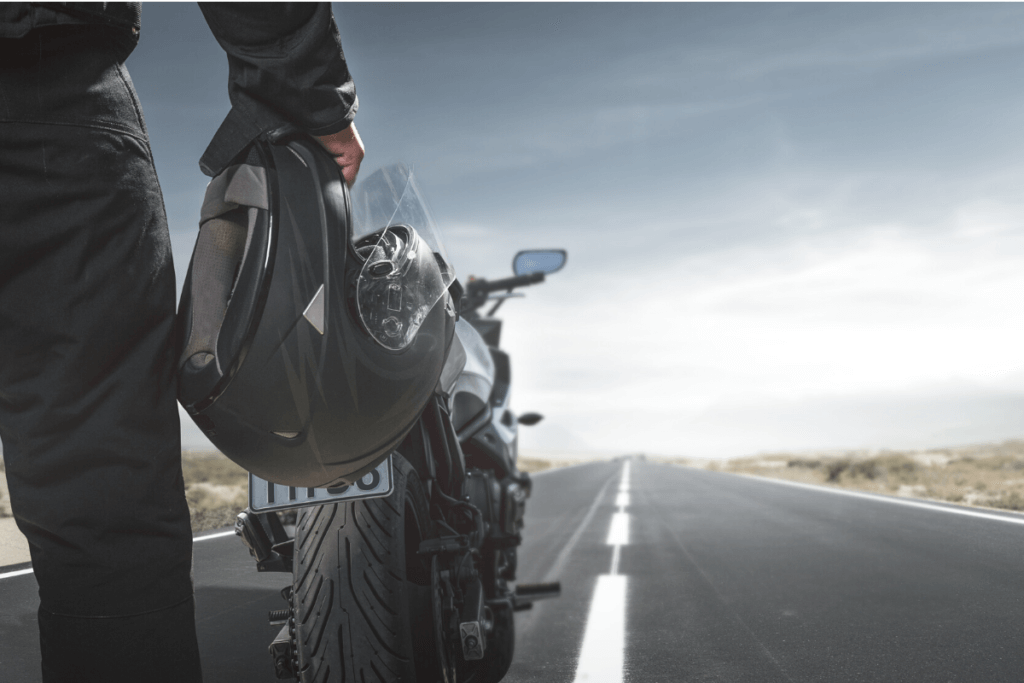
[
  {"x": 765, "y": 205},
  {"x": 876, "y": 313}
]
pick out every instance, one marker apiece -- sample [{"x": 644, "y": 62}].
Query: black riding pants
[{"x": 87, "y": 394}]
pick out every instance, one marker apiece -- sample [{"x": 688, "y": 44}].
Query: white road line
[
  {"x": 20, "y": 572},
  {"x": 602, "y": 653},
  {"x": 195, "y": 539},
  {"x": 895, "y": 501},
  {"x": 618, "y": 532},
  {"x": 615, "y": 560},
  {"x": 604, "y": 641}
]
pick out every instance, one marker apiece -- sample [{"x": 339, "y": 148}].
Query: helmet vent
[{"x": 314, "y": 312}]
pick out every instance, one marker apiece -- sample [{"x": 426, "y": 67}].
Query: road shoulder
[{"x": 13, "y": 544}]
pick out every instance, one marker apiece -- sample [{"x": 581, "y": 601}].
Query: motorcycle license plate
[{"x": 265, "y": 496}]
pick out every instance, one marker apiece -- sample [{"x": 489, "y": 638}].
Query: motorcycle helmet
[{"x": 311, "y": 339}]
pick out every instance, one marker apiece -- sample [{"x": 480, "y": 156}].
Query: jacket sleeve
[{"x": 285, "y": 66}]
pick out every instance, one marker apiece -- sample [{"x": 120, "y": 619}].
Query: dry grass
[
  {"x": 5, "y": 498},
  {"x": 988, "y": 475},
  {"x": 533, "y": 464},
  {"x": 215, "y": 488}
]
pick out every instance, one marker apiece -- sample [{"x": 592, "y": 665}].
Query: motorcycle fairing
[{"x": 473, "y": 386}]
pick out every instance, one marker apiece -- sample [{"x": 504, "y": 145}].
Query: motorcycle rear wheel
[{"x": 361, "y": 595}]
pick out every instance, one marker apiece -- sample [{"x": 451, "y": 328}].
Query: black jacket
[{"x": 285, "y": 63}]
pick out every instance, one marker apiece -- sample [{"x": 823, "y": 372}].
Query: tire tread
[{"x": 349, "y": 582}]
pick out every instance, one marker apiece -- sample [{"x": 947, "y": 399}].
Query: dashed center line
[
  {"x": 604, "y": 641},
  {"x": 618, "y": 533},
  {"x": 615, "y": 560},
  {"x": 601, "y": 656}
]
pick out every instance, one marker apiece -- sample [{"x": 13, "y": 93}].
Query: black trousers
[{"x": 87, "y": 394}]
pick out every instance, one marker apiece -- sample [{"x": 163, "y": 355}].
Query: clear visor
[{"x": 406, "y": 269}]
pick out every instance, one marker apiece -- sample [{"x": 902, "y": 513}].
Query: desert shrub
[
  {"x": 806, "y": 464},
  {"x": 204, "y": 520},
  {"x": 533, "y": 464},
  {"x": 1010, "y": 501},
  {"x": 899, "y": 464},
  {"x": 216, "y": 489},
  {"x": 217, "y": 470},
  {"x": 868, "y": 469},
  {"x": 836, "y": 468},
  {"x": 1000, "y": 462},
  {"x": 214, "y": 505},
  {"x": 897, "y": 469}
]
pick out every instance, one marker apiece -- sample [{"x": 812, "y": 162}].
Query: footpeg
[
  {"x": 527, "y": 594},
  {"x": 278, "y": 617}
]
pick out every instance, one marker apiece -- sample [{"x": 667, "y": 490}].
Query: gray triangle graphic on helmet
[{"x": 314, "y": 312}]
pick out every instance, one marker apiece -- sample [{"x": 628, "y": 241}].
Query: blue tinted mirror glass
[{"x": 540, "y": 261}]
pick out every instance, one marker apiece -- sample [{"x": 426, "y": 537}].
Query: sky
[{"x": 789, "y": 226}]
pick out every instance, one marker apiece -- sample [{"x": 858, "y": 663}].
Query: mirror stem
[{"x": 496, "y": 306}]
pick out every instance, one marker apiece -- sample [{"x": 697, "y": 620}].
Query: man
[{"x": 87, "y": 363}]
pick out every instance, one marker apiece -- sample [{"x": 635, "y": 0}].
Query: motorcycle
[{"x": 407, "y": 575}]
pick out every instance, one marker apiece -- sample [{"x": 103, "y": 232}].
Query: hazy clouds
[{"x": 788, "y": 225}]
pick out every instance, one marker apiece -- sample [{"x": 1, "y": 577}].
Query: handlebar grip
[{"x": 513, "y": 282}]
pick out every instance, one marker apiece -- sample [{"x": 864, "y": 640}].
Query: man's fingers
[
  {"x": 347, "y": 149},
  {"x": 349, "y": 171}
]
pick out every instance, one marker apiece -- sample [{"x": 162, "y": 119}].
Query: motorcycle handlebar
[{"x": 513, "y": 282}]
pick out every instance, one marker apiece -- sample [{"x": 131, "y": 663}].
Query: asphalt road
[{"x": 715, "y": 578}]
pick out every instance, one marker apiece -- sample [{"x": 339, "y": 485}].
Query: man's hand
[{"x": 347, "y": 150}]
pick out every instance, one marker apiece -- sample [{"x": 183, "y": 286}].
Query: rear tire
[{"x": 361, "y": 594}]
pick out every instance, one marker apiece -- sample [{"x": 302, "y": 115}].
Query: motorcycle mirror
[
  {"x": 538, "y": 261},
  {"x": 530, "y": 419}
]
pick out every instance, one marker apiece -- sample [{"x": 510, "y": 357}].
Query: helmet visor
[{"x": 406, "y": 269}]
